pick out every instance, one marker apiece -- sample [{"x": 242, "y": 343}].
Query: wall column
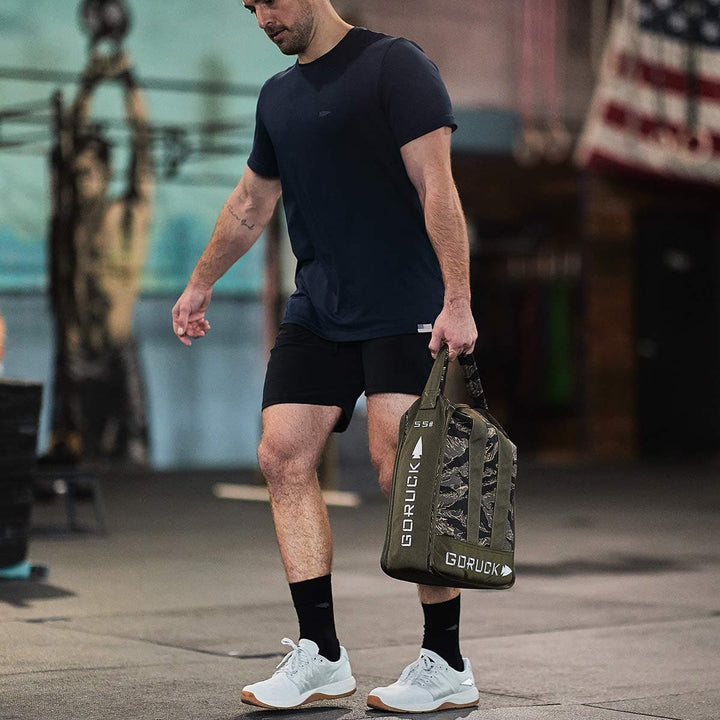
[{"x": 610, "y": 358}]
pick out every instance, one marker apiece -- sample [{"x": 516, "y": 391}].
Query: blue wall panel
[{"x": 203, "y": 401}]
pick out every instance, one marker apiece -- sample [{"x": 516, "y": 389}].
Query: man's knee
[
  {"x": 272, "y": 457},
  {"x": 292, "y": 441},
  {"x": 282, "y": 461}
]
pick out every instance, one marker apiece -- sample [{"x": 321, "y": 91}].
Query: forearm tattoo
[{"x": 242, "y": 221}]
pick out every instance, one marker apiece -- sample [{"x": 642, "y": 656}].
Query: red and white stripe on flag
[{"x": 656, "y": 108}]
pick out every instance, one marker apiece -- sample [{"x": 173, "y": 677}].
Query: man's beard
[{"x": 298, "y": 40}]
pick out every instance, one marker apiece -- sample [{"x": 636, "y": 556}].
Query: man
[
  {"x": 357, "y": 136},
  {"x": 97, "y": 251}
]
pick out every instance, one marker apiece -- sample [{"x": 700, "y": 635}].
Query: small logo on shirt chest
[{"x": 324, "y": 113}]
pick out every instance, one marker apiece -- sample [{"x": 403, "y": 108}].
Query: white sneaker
[
  {"x": 427, "y": 684},
  {"x": 302, "y": 676}
]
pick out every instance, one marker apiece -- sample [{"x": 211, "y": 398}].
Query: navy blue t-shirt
[{"x": 332, "y": 131}]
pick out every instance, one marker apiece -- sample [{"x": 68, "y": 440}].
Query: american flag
[{"x": 656, "y": 108}]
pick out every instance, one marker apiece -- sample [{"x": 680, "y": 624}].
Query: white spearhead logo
[
  {"x": 417, "y": 452},
  {"x": 505, "y": 571}
]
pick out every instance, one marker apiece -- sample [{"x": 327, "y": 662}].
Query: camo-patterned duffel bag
[{"x": 451, "y": 518}]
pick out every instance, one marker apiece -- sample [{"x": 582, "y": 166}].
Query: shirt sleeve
[
  {"x": 413, "y": 94},
  {"x": 262, "y": 158}
]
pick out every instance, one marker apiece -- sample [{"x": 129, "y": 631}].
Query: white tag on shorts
[{"x": 425, "y": 327}]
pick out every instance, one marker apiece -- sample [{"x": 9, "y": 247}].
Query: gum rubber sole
[
  {"x": 249, "y": 699},
  {"x": 375, "y": 702}
]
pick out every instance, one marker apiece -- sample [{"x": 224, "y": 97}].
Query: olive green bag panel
[
  {"x": 411, "y": 515},
  {"x": 451, "y": 512},
  {"x": 474, "y": 539}
]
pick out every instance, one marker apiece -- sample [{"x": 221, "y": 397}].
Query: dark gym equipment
[{"x": 20, "y": 402}]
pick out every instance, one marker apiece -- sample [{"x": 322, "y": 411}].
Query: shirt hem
[{"x": 357, "y": 336}]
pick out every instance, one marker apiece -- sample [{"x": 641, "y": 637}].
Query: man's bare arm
[
  {"x": 242, "y": 219},
  {"x": 245, "y": 214},
  {"x": 427, "y": 161}
]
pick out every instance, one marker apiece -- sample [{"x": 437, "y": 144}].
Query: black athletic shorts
[{"x": 304, "y": 368}]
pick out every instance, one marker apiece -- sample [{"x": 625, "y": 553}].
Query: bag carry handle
[
  {"x": 472, "y": 380},
  {"x": 436, "y": 381}
]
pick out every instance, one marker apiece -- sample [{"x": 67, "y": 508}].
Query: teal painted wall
[
  {"x": 203, "y": 402},
  {"x": 216, "y": 40}
]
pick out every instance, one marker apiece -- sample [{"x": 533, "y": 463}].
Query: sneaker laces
[
  {"x": 421, "y": 672},
  {"x": 295, "y": 660}
]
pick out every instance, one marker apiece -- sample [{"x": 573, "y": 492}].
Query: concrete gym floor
[{"x": 615, "y": 615}]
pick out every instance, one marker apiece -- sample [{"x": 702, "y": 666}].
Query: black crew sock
[
  {"x": 314, "y": 607},
  {"x": 442, "y": 631}
]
